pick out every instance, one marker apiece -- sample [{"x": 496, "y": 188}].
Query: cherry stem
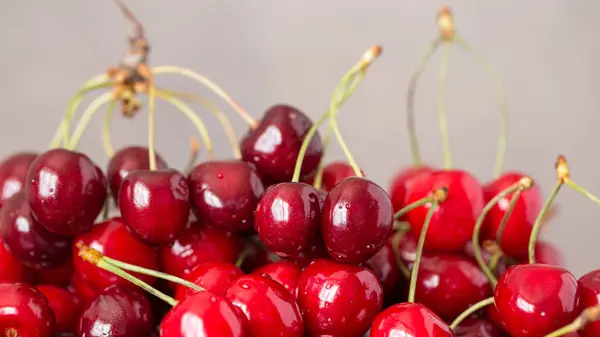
[
  {"x": 210, "y": 85},
  {"x": 582, "y": 191},
  {"x": 415, "y": 268},
  {"x": 319, "y": 175},
  {"x": 411, "y": 206},
  {"x": 540, "y": 218},
  {"x": 240, "y": 260},
  {"x": 587, "y": 316},
  {"x": 509, "y": 210},
  {"x": 443, "y": 74},
  {"x": 151, "y": 108},
  {"x": 396, "y": 249},
  {"x": 471, "y": 310},
  {"x": 106, "y": 143},
  {"x": 494, "y": 259},
  {"x": 86, "y": 117},
  {"x": 410, "y": 102},
  {"x": 194, "y": 153},
  {"x": 106, "y": 209}
]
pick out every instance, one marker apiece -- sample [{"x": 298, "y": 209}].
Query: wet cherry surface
[
  {"x": 409, "y": 319},
  {"x": 24, "y": 311}
]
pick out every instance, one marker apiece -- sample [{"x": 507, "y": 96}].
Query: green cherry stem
[
  {"x": 443, "y": 74},
  {"x": 471, "y": 310},
  {"x": 582, "y": 191},
  {"x": 194, "y": 153},
  {"x": 410, "y": 207},
  {"x": 507, "y": 214},
  {"x": 319, "y": 175},
  {"x": 396, "y": 249},
  {"x": 540, "y": 218},
  {"x": 240, "y": 260},
  {"x": 151, "y": 111},
  {"x": 587, "y": 316},
  {"x": 86, "y": 117},
  {"x": 106, "y": 142}
]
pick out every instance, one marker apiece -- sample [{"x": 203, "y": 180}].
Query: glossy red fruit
[
  {"x": 315, "y": 250},
  {"x": 126, "y": 160},
  {"x": 477, "y": 327},
  {"x": 59, "y": 276},
  {"x": 202, "y": 314},
  {"x": 515, "y": 237},
  {"x": 24, "y": 311},
  {"x": 215, "y": 277},
  {"x": 287, "y": 218},
  {"x": 546, "y": 253},
  {"x": 357, "y": 218},
  {"x": 224, "y": 194},
  {"x": 82, "y": 289},
  {"x": 118, "y": 311},
  {"x": 385, "y": 267},
  {"x": 66, "y": 307},
  {"x": 112, "y": 238},
  {"x": 29, "y": 241},
  {"x": 267, "y": 307},
  {"x": 589, "y": 296},
  {"x": 274, "y": 144},
  {"x": 402, "y": 182},
  {"x": 407, "y": 247},
  {"x": 66, "y": 191},
  {"x": 338, "y": 299},
  {"x": 534, "y": 300},
  {"x": 13, "y": 171},
  {"x": 453, "y": 222},
  {"x": 284, "y": 272},
  {"x": 335, "y": 172},
  {"x": 155, "y": 204},
  {"x": 12, "y": 270},
  {"x": 409, "y": 319}
]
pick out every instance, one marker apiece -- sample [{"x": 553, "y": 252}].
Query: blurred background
[{"x": 272, "y": 51}]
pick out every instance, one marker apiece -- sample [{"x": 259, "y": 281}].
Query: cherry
[
  {"x": 407, "y": 247},
  {"x": 268, "y": 308},
  {"x": 401, "y": 185},
  {"x": 126, "y": 160},
  {"x": 155, "y": 204},
  {"x": 357, "y": 218},
  {"x": 285, "y": 272},
  {"x": 29, "y": 241},
  {"x": 409, "y": 319},
  {"x": 316, "y": 250},
  {"x": 338, "y": 299},
  {"x": 589, "y": 296},
  {"x": 256, "y": 256},
  {"x": 335, "y": 172},
  {"x": 66, "y": 191},
  {"x": 215, "y": 277},
  {"x": 12, "y": 270},
  {"x": 515, "y": 237},
  {"x": 385, "y": 267},
  {"x": 274, "y": 144},
  {"x": 287, "y": 218},
  {"x": 24, "y": 311},
  {"x": 546, "y": 253},
  {"x": 536, "y": 299},
  {"x": 224, "y": 194},
  {"x": 476, "y": 327},
  {"x": 112, "y": 239},
  {"x": 59, "y": 276},
  {"x": 117, "y": 311},
  {"x": 66, "y": 306},
  {"x": 82, "y": 289},
  {"x": 501, "y": 265},
  {"x": 13, "y": 171},
  {"x": 454, "y": 220},
  {"x": 202, "y": 314}
]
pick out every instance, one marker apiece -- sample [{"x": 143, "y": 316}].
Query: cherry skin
[
  {"x": 284, "y": 272},
  {"x": 155, "y": 204},
  {"x": 24, "y": 311},
  {"x": 476, "y": 327},
  {"x": 453, "y": 222},
  {"x": 357, "y": 218},
  {"x": 66, "y": 306},
  {"x": 82, "y": 289},
  {"x": 274, "y": 144},
  {"x": 402, "y": 182},
  {"x": 589, "y": 296},
  {"x": 66, "y": 191},
  {"x": 409, "y": 319},
  {"x": 335, "y": 172},
  {"x": 316, "y": 250},
  {"x": 287, "y": 218},
  {"x": 13, "y": 172},
  {"x": 202, "y": 314},
  {"x": 215, "y": 277},
  {"x": 224, "y": 194},
  {"x": 29, "y": 241},
  {"x": 384, "y": 265},
  {"x": 546, "y": 253},
  {"x": 59, "y": 276},
  {"x": 536, "y": 299},
  {"x": 118, "y": 311},
  {"x": 12, "y": 270},
  {"x": 267, "y": 307},
  {"x": 338, "y": 299},
  {"x": 126, "y": 160}
]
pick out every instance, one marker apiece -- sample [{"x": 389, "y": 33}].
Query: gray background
[{"x": 271, "y": 51}]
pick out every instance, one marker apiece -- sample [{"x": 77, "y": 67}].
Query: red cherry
[
  {"x": 316, "y": 250},
  {"x": 66, "y": 307},
  {"x": 59, "y": 276},
  {"x": 357, "y": 218},
  {"x": 338, "y": 299},
  {"x": 12, "y": 270},
  {"x": 155, "y": 204},
  {"x": 267, "y": 307},
  {"x": 409, "y": 319},
  {"x": 13, "y": 172},
  {"x": 501, "y": 265},
  {"x": 287, "y": 218},
  {"x": 66, "y": 191},
  {"x": 126, "y": 160},
  {"x": 515, "y": 237},
  {"x": 401, "y": 184},
  {"x": 112, "y": 239},
  {"x": 453, "y": 221},
  {"x": 476, "y": 327},
  {"x": 385, "y": 267},
  {"x": 82, "y": 289},
  {"x": 536, "y": 299},
  {"x": 285, "y": 272},
  {"x": 407, "y": 247},
  {"x": 589, "y": 296},
  {"x": 274, "y": 144},
  {"x": 546, "y": 253},
  {"x": 335, "y": 172},
  {"x": 24, "y": 311},
  {"x": 256, "y": 256},
  {"x": 215, "y": 277},
  {"x": 202, "y": 314}
]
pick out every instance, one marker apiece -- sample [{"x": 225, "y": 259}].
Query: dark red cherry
[
  {"x": 401, "y": 184},
  {"x": 477, "y": 327},
  {"x": 285, "y": 272},
  {"x": 338, "y": 299},
  {"x": 256, "y": 256},
  {"x": 267, "y": 307},
  {"x": 66, "y": 306},
  {"x": 13, "y": 270},
  {"x": 24, "y": 311},
  {"x": 29, "y": 241},
  {"x": 118, "y": 311},
  {"x": 335, "y": 172},
  {"x": 59, "y": 276},
  {"x": 546, "y": 253},
  {"x": 287, "y": 218},
  {"x": 202, "y": 314},
  {"x": 224, "y": 194},
  {"x": 453, "y": 222},
  {"x": 357, "y": 218},
  {"x": 407, "y": 247},
  {"x": 501, "y": 265},
  {"x": 536, "y": 299},
  {"x": 66, "y": 191},
  {"x": 215, "y": 277},
  {"x": 385, "y": 267},
  {"x": 155, "y": 204},
  {"x": 13, "y": 172},
  {"x": 274, "y": 144},
  {"x": 316, "y": 250},
  {"x": 515, "y": 237},
  {"x": 409, "y": 319},
  {"x": 112, "y": 238},
  {"x": 82, "y": 289},
  {"x": 589, "y": 296}
]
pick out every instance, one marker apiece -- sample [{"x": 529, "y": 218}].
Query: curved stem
[
  {"x": 106, "y": 143},
  {"x": 587, "y": 316},
  {"x": 240, "y": 260},
  {"x": 340, "y": 139},
  {"x": 410, "y": 207},
  {"x": 319, "y": 175},
  {"x": 87, "y": 116},
  {"x": 538, "y": 221},
  {"x": 194, "y": 152},
  {"x": 151, "y": 108},
  {"x": 471, "y": 310},
  {"x": 582, "y": 191},
  {"x": 415, "y": 268},
  {"x": 509, "y": 210},
  {"x": 442, "y": 106},
  {"x": 396, "y": 249}
]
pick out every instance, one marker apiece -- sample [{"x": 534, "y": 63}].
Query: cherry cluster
[{"x": 274, "y": 242}]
